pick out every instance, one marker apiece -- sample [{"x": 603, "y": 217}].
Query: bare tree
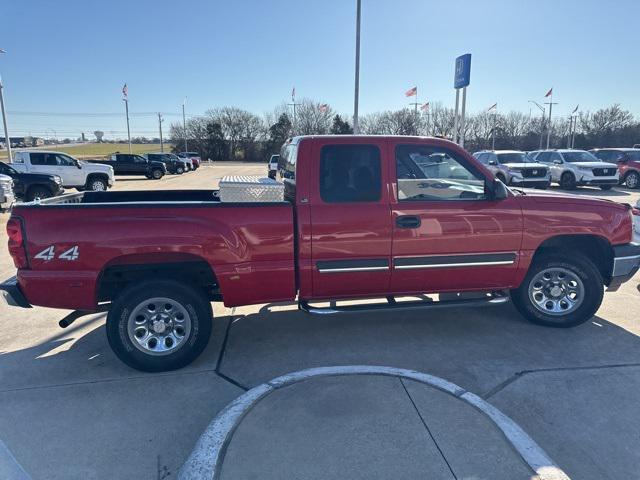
[{"x": 313, "y": 118}]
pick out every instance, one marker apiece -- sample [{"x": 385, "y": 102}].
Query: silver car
[
  {"x": 572, "y": 168},
  {"x": 516, "y": 168},
  {"x": 7, "y": 198}
]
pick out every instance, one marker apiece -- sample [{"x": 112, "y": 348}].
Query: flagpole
[
  {"x": 493, "y": 131},
  {"x": 126, "y": 107},
  {"x": 356, "y": 92}
]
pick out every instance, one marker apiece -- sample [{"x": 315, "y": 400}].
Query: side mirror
[
  {"x": 557, "y": 162},
  {"x": 78, "y": 164},
  {"x": 500, "y": 191}
]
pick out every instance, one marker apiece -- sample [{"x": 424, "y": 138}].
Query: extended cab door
[
  {"x": 448, "y": 234},
  {"x": 350, "y": 218}
]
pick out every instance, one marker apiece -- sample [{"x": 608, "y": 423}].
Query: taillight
[{"x": 17, "y": 248}]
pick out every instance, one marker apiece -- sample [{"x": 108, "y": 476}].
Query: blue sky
[{"x": 72, "y": 56}]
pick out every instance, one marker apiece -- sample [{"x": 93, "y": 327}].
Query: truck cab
[{"x": 74, "y": 173}]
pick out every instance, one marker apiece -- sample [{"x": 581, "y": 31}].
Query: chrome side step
[{"x": 495, "y": 298}]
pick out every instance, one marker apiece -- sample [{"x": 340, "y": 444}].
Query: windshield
[
  {"x": 573, "y": 157},
  {"x": 516, "y": 157}
]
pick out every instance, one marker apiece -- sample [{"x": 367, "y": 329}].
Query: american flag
[
  {"x": 323, "y": 107},
  {"x": 411, "y": 92},
  {"x": 425, "y": 106},
  {"x": 492, "y": 107},
  {"x": 125, "y": 91},
  {"x": 549, "y": 93}
]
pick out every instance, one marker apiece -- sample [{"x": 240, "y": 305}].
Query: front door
[
  {"x": 448, "y": 235},
  {"x": 350, "y": 219}
]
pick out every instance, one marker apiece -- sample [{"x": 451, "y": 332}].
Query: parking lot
[{"x": 72, "y": 410}]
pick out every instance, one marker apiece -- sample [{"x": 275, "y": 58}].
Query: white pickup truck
[{"x": 74, "y": 173}]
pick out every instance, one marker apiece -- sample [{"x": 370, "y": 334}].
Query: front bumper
[
  {"x": 588, "y": 180},
  {"x": 626, "y": 263},
  {"x": 6, "y": 200},
  {"x": 531, "y": 182},
  {"x": 10, "y": 291}
]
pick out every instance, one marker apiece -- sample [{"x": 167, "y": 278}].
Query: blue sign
[{"x": 462, "y": 75}]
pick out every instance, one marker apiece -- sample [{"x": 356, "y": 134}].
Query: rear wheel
[
  {"x": 38, "y": 192},
  {"x": 159, "y": 325},
  {"x": 632, "y": 180},
  {"x": 559, "y": 290},
  {"x": 568, "y": 181}
]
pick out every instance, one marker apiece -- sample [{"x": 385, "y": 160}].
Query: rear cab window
[{"x": 350, "y": 173}]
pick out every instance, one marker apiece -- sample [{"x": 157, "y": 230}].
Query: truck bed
[{"x": 248, "y": 246}]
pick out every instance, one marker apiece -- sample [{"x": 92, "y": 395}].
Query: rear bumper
[
  {"x": 10, "y": 291},
  {"x": 626, "y": 262}
]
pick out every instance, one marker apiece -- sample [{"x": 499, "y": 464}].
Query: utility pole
[
  {"x": 551, "y": 103},
  {"x": 294, "y": 104},
  {"x": 464, "y": 105},
  {"x": 356, "y": 93},
  {"x": 455, "y": 118},
  {"x": 184, "y": 125},
  {"x": 493, "y": 132},
  {"x": 160, "y": 120},
  {"x": 543, "y": 110},
  {"x": 125, "y": 99},
  {"x": 7, "y": 140}
]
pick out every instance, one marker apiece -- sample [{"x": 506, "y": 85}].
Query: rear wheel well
[
  {"x": 596, "y": 249},
  {"x": 198, "y": 274}
]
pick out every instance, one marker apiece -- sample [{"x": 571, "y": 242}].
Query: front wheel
[
  {"x": 38, "y": 193},
  {"x": 632, "y": 180},
  {"x": 97, "y": 185},
  {"x": 559, "y": 290},
  {"x": 157, "y": 174},
  {"x": 160, "y": 325},
  {"x": 567, "y": 181}
]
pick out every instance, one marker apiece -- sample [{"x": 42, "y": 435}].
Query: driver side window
[
  {"x": 436, "y": 175},
  {"x": 64, "y": 161}
]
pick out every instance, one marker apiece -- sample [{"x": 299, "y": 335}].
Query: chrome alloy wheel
[
  {"x": 97, "y": 186},
  {"x": 159, "y": 326},
  {"x": 556, "y": 291}
]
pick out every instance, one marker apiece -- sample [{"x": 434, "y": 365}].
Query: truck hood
[
  {"x": 97, "y": 167},
  {"x": 594, "y": 165},
  {"x": 520, "y": 166},
  {"x": 549, "y": 196},
  {"x": 34, "y": 177}
]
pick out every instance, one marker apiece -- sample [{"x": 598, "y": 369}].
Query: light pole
[
  {"x": 356, "y": 93},
  {"x": 543, "y": 110},
  {"x": 184, "y": 125},
  {"x": 7, "y": 140}
]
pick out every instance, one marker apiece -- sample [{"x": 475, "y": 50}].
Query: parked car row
[
  {"x": 600, "y": 167},
  {"x": 41, "y": 174}
]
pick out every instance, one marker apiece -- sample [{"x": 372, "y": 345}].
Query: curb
[{"x": 205, "y": 461}]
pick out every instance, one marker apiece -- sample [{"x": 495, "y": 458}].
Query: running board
[{"x": 496, "y": 298}]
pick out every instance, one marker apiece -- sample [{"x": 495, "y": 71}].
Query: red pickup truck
[{"x": 363, "y": 217}]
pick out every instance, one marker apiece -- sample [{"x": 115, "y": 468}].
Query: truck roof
[{"x": 298, "y": 138}]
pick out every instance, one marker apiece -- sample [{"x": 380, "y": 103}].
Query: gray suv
[
  {"x": 516, "y": 168},
  {"x": 571, "y": 168}
]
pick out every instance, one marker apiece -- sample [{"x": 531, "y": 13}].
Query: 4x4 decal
[{"x": 49, "y": 253}]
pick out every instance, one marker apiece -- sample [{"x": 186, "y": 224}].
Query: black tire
[
  {"x": 568, "y": 181},
  {"x": 606, "y": 187},
  {"x": 156, "y": 174},
  {"x": 97, "y": 184},
  {"x": 579, "y": 265},
  {"x": 38, "y": 191},
  {"x": 194, "y": 302},
  {"x": 632, "y": 180}
]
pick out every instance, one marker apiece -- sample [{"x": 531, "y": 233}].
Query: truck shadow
[{"x": 479, "y": 349}]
